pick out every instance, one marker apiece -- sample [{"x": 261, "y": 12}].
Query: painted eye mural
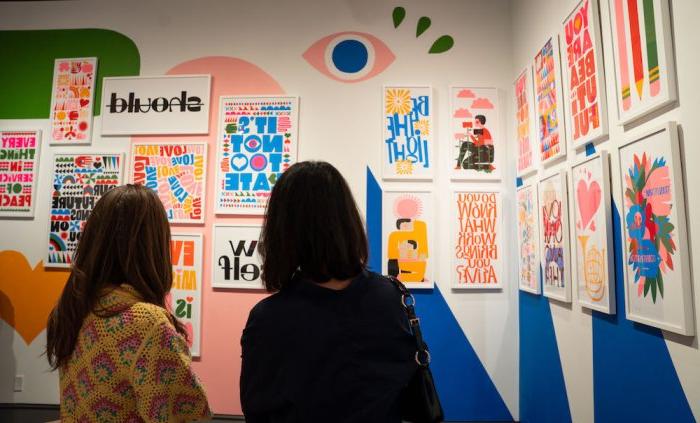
[{"x": 349, "y": 56}]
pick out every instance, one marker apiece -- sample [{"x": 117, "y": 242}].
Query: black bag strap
[{"x": 422, "y": 356}]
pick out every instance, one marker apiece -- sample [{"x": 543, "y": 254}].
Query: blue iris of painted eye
[{"x": 350, "y": 56}]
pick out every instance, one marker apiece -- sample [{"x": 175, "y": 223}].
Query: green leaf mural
[
  {"x": 442, "y": 44},
  {"x": 398, "y": 16},
  {"x": 422, "y": 26}
]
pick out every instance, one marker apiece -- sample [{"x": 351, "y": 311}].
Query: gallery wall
[
  {"x": 258, "y": 49},
  {"x": 581, "y": 365}
]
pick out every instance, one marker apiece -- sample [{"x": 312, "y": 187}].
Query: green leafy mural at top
[
  {"x": 28, "y": 61},
  {"x": 440, "y": 45}
]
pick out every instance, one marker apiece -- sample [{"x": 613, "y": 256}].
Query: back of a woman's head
[
  {"x": 126, "y": 239},
  {"x": 312, "y": 224}
]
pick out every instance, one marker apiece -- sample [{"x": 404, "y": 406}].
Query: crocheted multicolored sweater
[{"x": 131, "y": 367}]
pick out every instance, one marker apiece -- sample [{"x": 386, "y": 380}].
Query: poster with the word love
[
  {"x": 644, "y": 60},
  {"x": 408, "y": 223},
  {"x": 257, "y": 141},
  {"x": 177, "y": 173},
  {"x": 593, "y": 242},
  {"x": 235, "y": 259},
  {"x": 185, "y": 299},
  {"x": 549, "y": 102},
  {"x": 554, "y": 237},
  {"x": 658, "y": 289},
  {"x": 584, "y": 75},
  {"x": 477, "y": 258},
  {"x": 72, "y": 98},
  {"x": 407, "y": 133},
  {"x": 477, "y": 149},
  {"x": 79, "y": 181},
  {"x": 524, "y": 112},
  {"x": 529, "y": 263},
  {"x": 19, "y": 161}
]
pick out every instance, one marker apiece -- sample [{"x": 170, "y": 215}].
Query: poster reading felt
[
  {"x": 476, "y": 262},
  {"x": 72, "y": 100},
  {"x": 586, "y": 111},
  {"x": 407, "y": 150},
  {"x": 528, "y": 264},
  {"x": 79, "y": 180},
  {"x": 185, "y": 297},
  {"x": 177, "y": 173},
  {"x": 548, "y": 102},
  {"x": 523, "y": 114},
  {"x": 554, "y": 237},
  {"x": 235, "y": 259},
  {"x": 258, "y": 141},
  {"x": 19, "y": 161}
]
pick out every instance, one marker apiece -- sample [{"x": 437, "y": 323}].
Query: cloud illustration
[
  {"x": 462, "y": 113},
  {"x": 466, "y": 93},
  {"x": 482, "y": 103}
]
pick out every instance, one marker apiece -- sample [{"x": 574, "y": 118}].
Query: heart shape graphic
[
  {"x": 239, "y": 163},
  {"x": 588, "y": 197},
  {"x": 84, "y": 102},
  {"x": 189, "y": 299}
]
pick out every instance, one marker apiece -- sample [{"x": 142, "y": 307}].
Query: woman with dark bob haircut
[{"x": 332, "y": 344}]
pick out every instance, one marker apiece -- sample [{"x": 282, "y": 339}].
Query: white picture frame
[
  {"x": 554, "y": 235},
  {"x": 526, "y": 161},
  {"x": 84, "y": 112},
  {"x": 6, "y": 172},
  {"x": 226, "y": 271},
  {"x": 185, "y": 302},
  {"x": 528, "y": 248}
]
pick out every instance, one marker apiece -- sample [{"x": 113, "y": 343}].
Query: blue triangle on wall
[{"x": 466, "y": 390}]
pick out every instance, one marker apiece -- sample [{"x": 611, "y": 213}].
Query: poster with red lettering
[
  {"x": 554, "y": 237},
  {"x": 584, "y": 75},
  {"x": 177, "y": 173},
  {"x": 19, "y": 161},
  {"x": 72, "y": 98},
  {"x": 185, "y": 298},
  {"x": 524, "y": 113},
  {"x": 477, "y": 258}
]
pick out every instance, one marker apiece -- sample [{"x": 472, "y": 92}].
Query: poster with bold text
[
  {"x": 475, "y": 142},
  {"x": 523, "y": 114},
  {"x": 19, "y": 161},
  {"x": 72, "y": 99},
  {"x": 528, "y": 263},
  {"x": 407, "y": 141},
  {"x": 644, "y": 60},
  {"x": 185, "y": 299},
  {"x": 407, "y": 227},
  {"x": 548, "y": 102},
  {"x": 657, "y": 272},
  {"x": 257, "y": 142},
  {"x": 586, "y": 111},
  {"x": 477, "y": 257},
  {"x": 79, "y": 180},
  {"x": 554, "y": 237},
  {"x": 177, "y": 173},
  {"x": 235, "y": 259},
  {"x": 593, "y": 241}
]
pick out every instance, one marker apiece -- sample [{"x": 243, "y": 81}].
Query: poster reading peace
[
  {"x": 79, "y": 180},
  {"x": 72, "y": 100},
  {"x": 19, "y": 161},
  {"x": 177, "y": 173},
  {"x": 548, "y": 102},
  {"x": 257, "y": 142},
  {"x": 407, "y": 141},
  {"x": 185, "y": 297}
]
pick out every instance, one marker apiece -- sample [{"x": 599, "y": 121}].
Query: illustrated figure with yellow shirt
[{"x": 408, "y": 245}]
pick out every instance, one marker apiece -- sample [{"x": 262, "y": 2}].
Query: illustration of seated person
[
  {"x": 479, "y": 145},
  {"x": 408, "y": 250}
]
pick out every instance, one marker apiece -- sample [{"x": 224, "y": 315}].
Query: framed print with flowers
[
  {"x": 657, "y": 273},
  {"x": 407, "y": 133}
]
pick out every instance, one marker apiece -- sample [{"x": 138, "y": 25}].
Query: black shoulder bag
[{"x": 419, "y": 400}]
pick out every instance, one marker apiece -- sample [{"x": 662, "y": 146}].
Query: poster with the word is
[
  {"x": 235, "y": 259},
  {"x": 19, "y": 161},
  {"x": 477, "y": 258},
  {"x": 554, "y": 237},
  {"x": 185, "y": 299}
]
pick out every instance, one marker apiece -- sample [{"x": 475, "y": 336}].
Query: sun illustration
[
  {"x": 423, "y": 126},
  {"x": 404, "y": 167},
  {"x": 398, "y": 101}
]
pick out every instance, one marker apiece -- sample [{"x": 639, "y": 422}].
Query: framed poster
[
  {"x": 153, "y": 105},
  {"x": 407, "y": 133},
  {"x": 185, "y": 297},
  {"x": 177, "y": 172},
  {"x": 644, "y": 66},
  {"x": 79, "y": 181},
  {"x": 477, "y": 258},
  {"x": 549, "y": 106},
  {"x": 657, "y": 272},
  {"x": 554, "y": 237},
  {"x": 72, "y": 99},
  {"x": 235, "y": 259},
  {"x": 593, "y": 241},
  {"x": 529, "y": 262},
  {"x": 477, "y": 148},
  {"x": 19, "y": 161},
  {"x": 524, "y": 112},
  {"x": 584, "y": 75},
  {"x": 258, "y": 140},
  {"x": 408, "y": 222}
]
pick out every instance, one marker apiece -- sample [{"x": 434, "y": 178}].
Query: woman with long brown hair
[{"x": 121, "y": 354}]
